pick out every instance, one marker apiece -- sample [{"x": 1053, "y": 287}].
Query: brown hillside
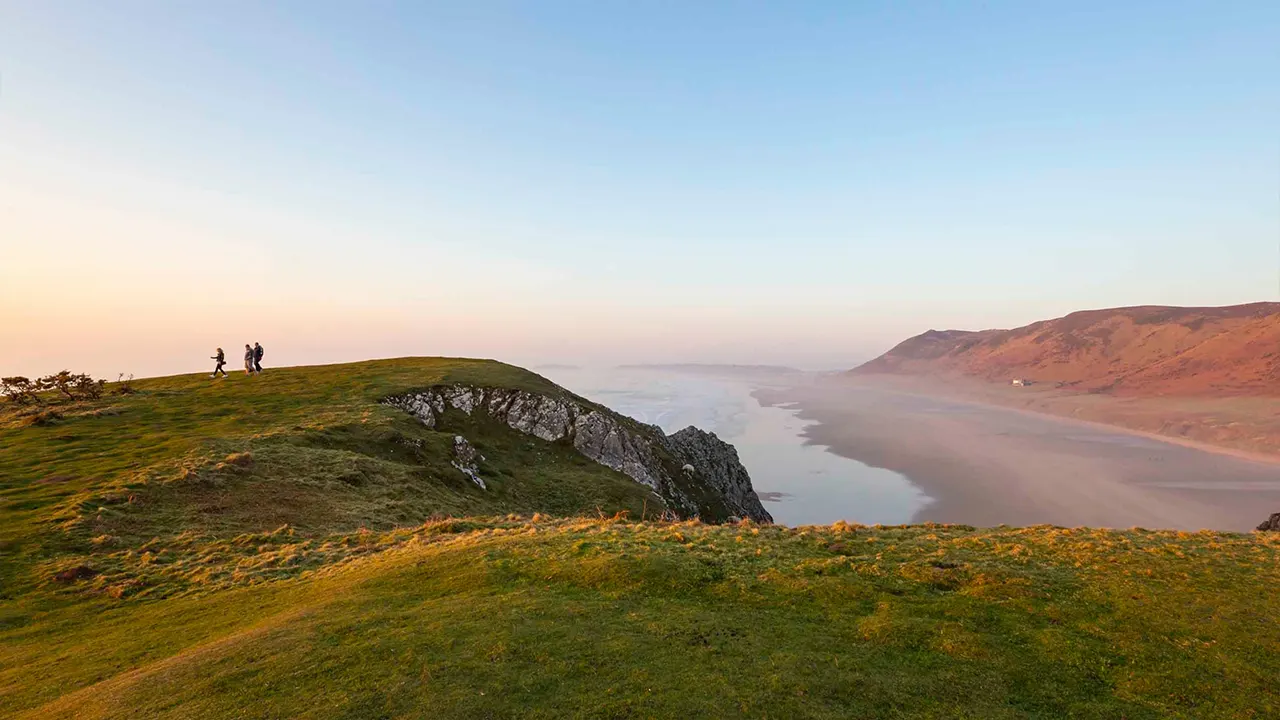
[{"x": 1148, "y": 350}]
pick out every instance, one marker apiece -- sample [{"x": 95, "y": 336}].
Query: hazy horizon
[{"x": 801, "y": 185}]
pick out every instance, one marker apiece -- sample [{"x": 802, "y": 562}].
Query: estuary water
[{"x": 800, "y": 483}]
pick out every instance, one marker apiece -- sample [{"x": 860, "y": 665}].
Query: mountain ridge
[{"x": 1139, "y": 350}]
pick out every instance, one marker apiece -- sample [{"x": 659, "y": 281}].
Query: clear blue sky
[{"x": 740, "y": 182}]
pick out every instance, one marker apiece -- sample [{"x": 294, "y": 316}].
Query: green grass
[
  {"x": 282, "y": 546},
  {"x": 512, "y": 617}
]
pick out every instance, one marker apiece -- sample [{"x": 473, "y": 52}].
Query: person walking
[
  {"x": 248, "y": 359},
  {"x": 257, "y": 357},
  {"x": 221, "y": 359}
]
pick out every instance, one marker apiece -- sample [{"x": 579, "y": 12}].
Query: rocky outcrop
[
  {"x": 1271, "y": 524},
  {"x": 464, "y": 458},
  {"x": 718, "y": 487},
  {"x": 716, "y": 463}
]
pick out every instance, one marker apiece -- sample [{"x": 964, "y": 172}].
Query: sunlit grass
[{"x": 552, "y": 617}]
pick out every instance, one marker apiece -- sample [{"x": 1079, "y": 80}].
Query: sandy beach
[{"x": 984, "y": 464}]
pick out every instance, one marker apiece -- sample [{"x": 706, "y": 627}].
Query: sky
[{"x": 797, "y": 183}]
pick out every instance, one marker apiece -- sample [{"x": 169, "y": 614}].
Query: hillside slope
[
  {"x": 122, "y": 487},
  {"x": 1136, "y": 351},
  {"x": 543, "y": 618}
]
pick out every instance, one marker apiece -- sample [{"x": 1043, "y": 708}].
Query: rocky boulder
[{"x": 1271, "y": 524}]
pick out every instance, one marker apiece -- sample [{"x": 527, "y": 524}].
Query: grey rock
[
  {"x": 716, "y": 463},
  {"x": 604, "y": 440},
  {"x": 464, "y": 458},
  {"x": 463, "y": 452},
  {"x": 1271, "y": 524}
]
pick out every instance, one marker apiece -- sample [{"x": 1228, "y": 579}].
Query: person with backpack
[
  {"x": 257, "y": 357},
  {"x": 248, "y": 359},
  {"x": 220, "y": 359}
]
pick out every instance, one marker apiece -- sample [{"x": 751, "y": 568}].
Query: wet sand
[{"x": 988, "y": 465}]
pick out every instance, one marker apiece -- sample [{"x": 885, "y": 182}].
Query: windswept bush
[
  {"x": 74, "y": 386},
  {"x": 20, "y": 390},
  {"x": 86, "y": 387}
]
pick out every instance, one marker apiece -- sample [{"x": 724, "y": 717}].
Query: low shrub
[
  {"x": 124, "y": 385},
  {"x": 77, "y": 386},
  {"x": 20, "y": 390}
]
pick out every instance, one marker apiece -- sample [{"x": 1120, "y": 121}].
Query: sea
[{"x": 800, "y": 483}]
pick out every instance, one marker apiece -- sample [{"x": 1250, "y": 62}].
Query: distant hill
[
  {"x": 556, "y": 366},
  {"x": 1146, "y": 350}
]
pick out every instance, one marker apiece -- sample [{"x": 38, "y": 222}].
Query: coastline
[
  {"x": 1075, "y": 408},
  {"x": 988, "y": 464},
  {"x": 1240, "y": 426},
  {"x": 800, "y": 483}
]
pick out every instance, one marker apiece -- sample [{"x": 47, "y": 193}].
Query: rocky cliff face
[
  {"x": 715, "y": 462},
  {"x": 695, "y": 473}
]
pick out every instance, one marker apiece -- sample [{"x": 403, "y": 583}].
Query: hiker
[
  {"x": 221, "y": 359},
  {"x": 248, "y": 359},
  {"x": 257, "y": 357}
]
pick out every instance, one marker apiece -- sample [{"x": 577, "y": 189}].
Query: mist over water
[{"x": 801, "y": 484}]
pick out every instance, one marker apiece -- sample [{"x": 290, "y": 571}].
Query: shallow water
[{"x": 800, "y": 484}]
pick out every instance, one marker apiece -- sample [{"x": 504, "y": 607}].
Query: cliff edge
[{"x": 694, "y": 473}]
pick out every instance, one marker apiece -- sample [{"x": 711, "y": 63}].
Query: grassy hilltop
[
  {"x": 284, "y": 546},
  {"x": 187, "y": 461}
]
